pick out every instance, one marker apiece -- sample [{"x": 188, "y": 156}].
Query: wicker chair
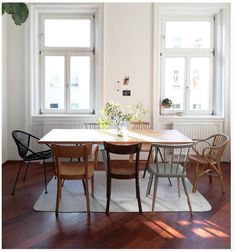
[{"x": 207, "y": 160}]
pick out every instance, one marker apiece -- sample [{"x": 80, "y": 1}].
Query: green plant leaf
[
  {"x": 8, "y": 8},
  {"x": 21, "y": 15},
  {"x": 3, "y": 11}
]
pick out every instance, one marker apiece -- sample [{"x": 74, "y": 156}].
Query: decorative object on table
[
  {"x": 19, "y": 11},
  {"x": 112, "y": 114}
]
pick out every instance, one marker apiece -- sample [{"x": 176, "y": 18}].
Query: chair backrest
[
  {"x": 140, "y": 125},
  {"x": 217, "y": 145},
  {"x": 126, "y": 149},
  {"x": 22, "y": 140},
  {"x": 171, "y": 157},
  {"x": 62, "y": 152},
  {"x": 92, "y": 125}
]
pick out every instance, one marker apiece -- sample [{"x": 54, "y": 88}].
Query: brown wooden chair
[
  {"x": 206, "y": 158},
  {"x": 67, "y": 170},
  {"x": 122, "y": 169},
  {"x": 144, "y": 147}
]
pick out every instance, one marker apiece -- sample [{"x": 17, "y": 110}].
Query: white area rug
[{"x": 123, "y": 196}]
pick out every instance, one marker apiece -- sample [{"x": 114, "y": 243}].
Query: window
[
  {"x": 67, "y": 63},
  {"x": 187, "y": 48}
]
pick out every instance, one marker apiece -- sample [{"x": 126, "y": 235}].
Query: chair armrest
[{"x": 197, "y": 142}]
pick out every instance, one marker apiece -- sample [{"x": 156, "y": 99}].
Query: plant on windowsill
[
  {"x": 112, "y": 115},
  {"x": 166, "y": 103}
]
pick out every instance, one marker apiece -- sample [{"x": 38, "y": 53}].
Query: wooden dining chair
[
  {"x": 171, "y": 163},
  {"x": 206, "y": 157},
  {"x": 122, "y": 169},
  {"x": 140, "y": 126},
  {"x": 95, "y": 125},
  {"x": 75, "y": 170}
]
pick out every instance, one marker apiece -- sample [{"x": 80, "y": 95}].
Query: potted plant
[{"x": 166, "y": 103}]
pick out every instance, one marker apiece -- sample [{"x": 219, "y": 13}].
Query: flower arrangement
[{"x": 112, "y": 114}]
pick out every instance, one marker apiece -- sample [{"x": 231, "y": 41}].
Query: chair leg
[
  {"x": 169, "y": 181},
  {"x": 26, "y": 171},
  {"x": 195, "y": 179},
  {"x": 188, "y": 199},
  {"x": 87, "y": 196},
  {"x": 84, "y": 186},
  {"x": 178, "y": 182},
  {"x": 17, "y": 176},
  {"x": 149, "y": 184},
  {"x": 108, "y": 193},
  {"x": 138, "y": 193},
  {"x": 146, "y": 165},
  {"x": 58, "y": 195},
  {"x": 154, "y": 192},
  {"x": 92, "y": 185},
  {"x": 45, "y": 175},
  {"x": 221, "y": 178}
]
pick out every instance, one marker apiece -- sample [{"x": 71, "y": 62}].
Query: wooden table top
[{"x": 97, "y": 136}]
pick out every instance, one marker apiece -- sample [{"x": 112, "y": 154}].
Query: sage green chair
[{"x": 171, "y": 161}]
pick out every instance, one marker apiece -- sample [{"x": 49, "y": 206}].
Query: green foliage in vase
[{"x": 112, "y": 114}]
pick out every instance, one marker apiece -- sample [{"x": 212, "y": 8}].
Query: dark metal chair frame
[{"x": 22, "y": 140}]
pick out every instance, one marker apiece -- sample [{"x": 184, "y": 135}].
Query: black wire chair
[{"x": 24, "y": 141}]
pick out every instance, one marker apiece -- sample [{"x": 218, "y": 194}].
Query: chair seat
[
  {"x": 122, "y": 167},
  {"x": 39, "y": 155},
  {"x": 167, "y": 172},
  {"x": 74, "y": 170},
  {"x": 200, "y": 159}
]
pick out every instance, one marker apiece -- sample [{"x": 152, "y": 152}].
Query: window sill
[
  {"x": 190, "y": 118},
  {"x": 65, "y": 117}
]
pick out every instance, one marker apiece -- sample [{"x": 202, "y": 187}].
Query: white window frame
[
  {"x": 67, "y": 52},
  {"x": 33, "y": 74},
  {"x": 187, "y": 53}
]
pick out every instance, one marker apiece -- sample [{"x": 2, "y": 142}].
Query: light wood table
[{"x": 97, "y": 136}]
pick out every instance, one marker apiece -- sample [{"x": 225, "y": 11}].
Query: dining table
[{"x": 98, "y": 136}]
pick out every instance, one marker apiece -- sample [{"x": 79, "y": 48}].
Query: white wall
[
  {"x": 15, "y": 85},
  {"x": 4, "y": 90},
  {"x": 128, "y": 51}
]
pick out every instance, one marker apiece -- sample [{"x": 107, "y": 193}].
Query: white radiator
[
  {"x": 41, "y": 129},
  {"x": 197, "y": 130}
]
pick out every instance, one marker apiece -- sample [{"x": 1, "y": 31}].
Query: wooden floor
[{"x": 24, "y": 228}]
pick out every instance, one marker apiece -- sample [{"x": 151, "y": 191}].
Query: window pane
[
  {"x": 174, "y": 81},
  {"x": 54, "y": 82},
  {"x": 79, "y": 82},
  {"x": 199, "y": 83},
  {"x": 67, "y": 33},
  {"x": 188, "y": 34}
]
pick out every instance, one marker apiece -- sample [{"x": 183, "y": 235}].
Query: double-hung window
[
  {"x": 67, "y": 63},
  {"x": 187, "y": 48}
]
